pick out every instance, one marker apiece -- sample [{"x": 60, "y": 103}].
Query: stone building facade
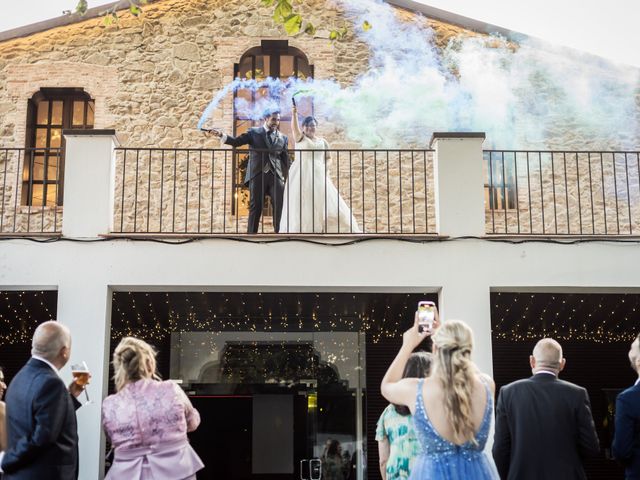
[{"x": 151, "y": 77}]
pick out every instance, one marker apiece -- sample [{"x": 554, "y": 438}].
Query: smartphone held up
[{"x": 426, "y": 317}]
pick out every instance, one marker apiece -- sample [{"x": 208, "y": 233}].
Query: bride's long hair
[{"x": 453, "y": 343}]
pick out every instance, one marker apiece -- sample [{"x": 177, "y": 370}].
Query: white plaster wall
[{"x": 465, "y": 270}]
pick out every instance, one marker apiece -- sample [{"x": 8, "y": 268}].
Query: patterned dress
[{"x": 404, "y": 446}]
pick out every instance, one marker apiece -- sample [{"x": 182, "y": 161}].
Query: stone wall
[{"x": 152, "y": 77}]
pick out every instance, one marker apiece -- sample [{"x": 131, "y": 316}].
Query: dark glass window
[{"x": 50, "y": 111}]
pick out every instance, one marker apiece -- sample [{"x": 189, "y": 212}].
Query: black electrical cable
[{"x": 337, "y": 243}]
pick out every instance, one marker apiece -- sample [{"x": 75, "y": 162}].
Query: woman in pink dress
[{"x": 147, "y": 420}]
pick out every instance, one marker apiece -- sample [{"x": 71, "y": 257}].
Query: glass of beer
[{"x": 81, "y": 374}]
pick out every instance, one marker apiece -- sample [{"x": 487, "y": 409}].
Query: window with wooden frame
[
  {"x": 500, "y": 189},
  {"x": 50, "y": 111}
]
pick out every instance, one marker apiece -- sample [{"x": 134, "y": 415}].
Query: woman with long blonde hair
[
  {"x": 147, "y": 420},
  {"x": 452, "y": 408}
]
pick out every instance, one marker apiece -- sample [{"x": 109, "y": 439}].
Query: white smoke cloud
[{"x": 523, "y": 96}]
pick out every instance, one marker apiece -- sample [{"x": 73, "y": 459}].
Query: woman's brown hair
[{"x": 418, "y": 366}]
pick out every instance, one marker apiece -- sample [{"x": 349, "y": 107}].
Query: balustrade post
[
  {"x": 459, "y": 183},
  {"x": 89, "y": 178}
]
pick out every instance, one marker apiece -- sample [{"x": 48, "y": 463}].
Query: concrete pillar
[
  {"x": 459, "y": 183},
  {"x": 471, "y": 302},
  {"x": 84, "y": 305},
  {"x": 84, "y": 302},
  {"x": 89, "y": 179}
]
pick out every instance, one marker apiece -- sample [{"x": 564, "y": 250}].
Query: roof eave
[
  {"x": 61, "y": 21},
  {"x": 455, "y": 19},
  {"x": 427, "y": 10}
]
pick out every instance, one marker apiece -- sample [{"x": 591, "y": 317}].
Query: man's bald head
[
  {"x": 547, "y": 355},
  {"x": 52, "y": 341}
]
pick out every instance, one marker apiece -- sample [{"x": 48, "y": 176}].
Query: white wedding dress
[{"x": 311, "y": 202}]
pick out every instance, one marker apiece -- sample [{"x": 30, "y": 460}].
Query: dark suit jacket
[
  {"x": 626, "y": 441},
  {"x": 41, "y": 424},
  {"x": 544, "y": 428},
  {"x": 262, "y": 151}
]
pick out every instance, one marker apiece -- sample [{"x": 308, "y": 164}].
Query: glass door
[{"x": 289, "y": 403}]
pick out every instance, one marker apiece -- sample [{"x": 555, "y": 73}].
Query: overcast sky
[{"x": 604, "y": 28}]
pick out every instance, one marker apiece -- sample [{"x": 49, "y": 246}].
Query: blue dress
[{"x": 443, "y": 460}]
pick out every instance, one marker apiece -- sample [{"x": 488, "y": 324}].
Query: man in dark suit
[
  {"x": 544, "y": 425},
  {"x": 267, "y": 168},
  {"x": 626, "y": 441},
  {"x": 41, "y": 417}
]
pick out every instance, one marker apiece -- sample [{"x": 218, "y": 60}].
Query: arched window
[
  {"x": 275, "y": 59},
  {"x": 49, "y": 112}
]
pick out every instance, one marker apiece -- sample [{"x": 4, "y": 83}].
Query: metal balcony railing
[
  {"x": 562, "y": 192},
  {"x": 202, "y": 191},
  {"x": 30, "y": 191}
]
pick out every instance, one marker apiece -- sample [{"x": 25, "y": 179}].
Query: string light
[
  {"x": 599, "y": 318},
  {"x": 22, "y": 311},
  {"x": 261, "y": 311}
]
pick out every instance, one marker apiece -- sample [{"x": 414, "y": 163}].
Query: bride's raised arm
[{"x": 295, "y": 126}]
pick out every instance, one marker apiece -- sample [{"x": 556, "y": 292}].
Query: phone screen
[{"x": 426, "y": 316}]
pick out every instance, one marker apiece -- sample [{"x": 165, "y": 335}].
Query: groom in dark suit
[
  {"x": 41, "y": 413},
  {"x": 267, "y": 169},
  {"x": 626, "y": 441},
  {"x": 544, "y": 426}
]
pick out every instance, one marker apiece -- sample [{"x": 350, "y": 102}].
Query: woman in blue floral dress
[{"x": 398, "y": 446}]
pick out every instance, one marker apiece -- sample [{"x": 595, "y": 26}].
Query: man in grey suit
[
  {"x": 267, "y": 168},
  {"x": 41, "y": 417},
  {"x": 544, "y": 426}
]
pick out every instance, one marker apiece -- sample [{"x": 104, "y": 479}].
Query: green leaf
[
  {"x": 310, "y": 29},
  {"x": 110, "y": 18},
  {"x": 282, "y": 11},
  {"x": 333, "y": 35},
  {"x": 81, "y": 7},
  {"x": 267, "y": 3},
  {"x": 292, "y": 24},
  {"x": 366, "y": 26},
  {"x": 135, "y": 10}
]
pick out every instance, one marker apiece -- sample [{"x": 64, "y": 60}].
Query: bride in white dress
[{"x": 311, "y": 202}]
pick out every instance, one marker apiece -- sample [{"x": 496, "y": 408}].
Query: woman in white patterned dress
[{"x": 311, "y": 202}]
